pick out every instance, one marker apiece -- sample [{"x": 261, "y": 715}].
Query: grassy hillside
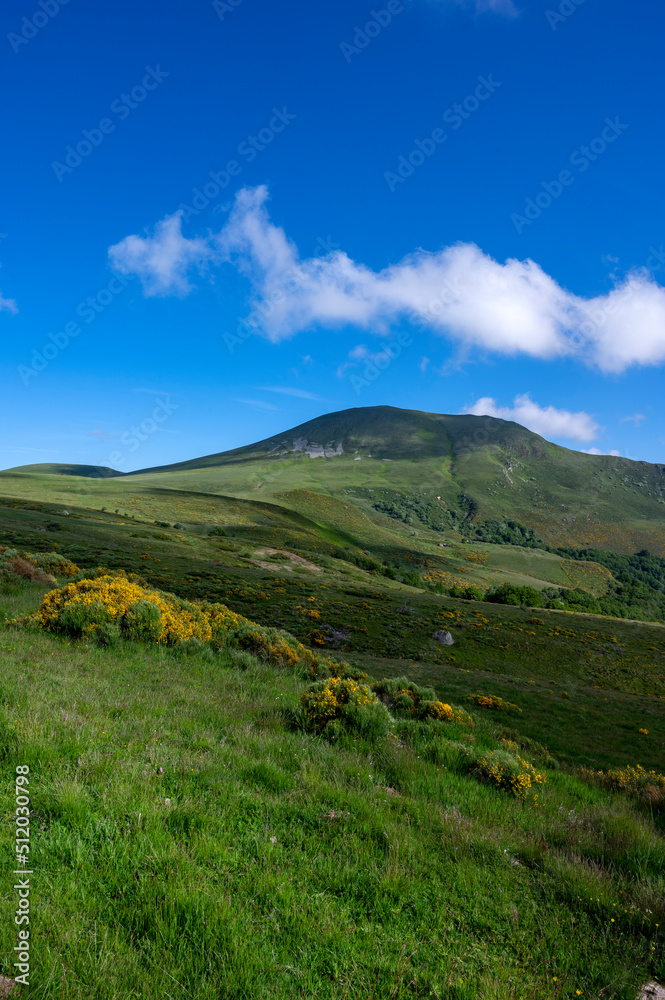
[
  {"x": 188, "y": 840},
  {"x": 481, "y": 465},
  {"x": 280, "y": 571},
  {"x": 463, "y": 466}
]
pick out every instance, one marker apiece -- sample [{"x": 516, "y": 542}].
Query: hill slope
[{"x": 471, "y": 467}]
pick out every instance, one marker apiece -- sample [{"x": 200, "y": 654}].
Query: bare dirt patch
[{"x": 291, "y": 556}]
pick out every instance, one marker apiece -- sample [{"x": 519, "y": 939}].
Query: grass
[{"x": 188, "y": 842}]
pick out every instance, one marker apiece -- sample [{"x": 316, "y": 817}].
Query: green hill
[
  {"x": 469, "y": 468},
  {"x": 59, "y": 469}
]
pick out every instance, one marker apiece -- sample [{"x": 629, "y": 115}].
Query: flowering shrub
[
  {"x": 339, "y": 704},
  {"x": 113, "y": 604},
  {"x": 402, "y": 696},
  {"x": 449, "y": 713},
  {"x": 77, "y": 608},
  {"x": 493, "y": 702},
  {"x": 406, "y": 699},
  {"x": 12, "y": 563},
  {"x": 646, "y": 786},
  {"x": 509, "y": 771},
  {"x": 55, "y": 564}
]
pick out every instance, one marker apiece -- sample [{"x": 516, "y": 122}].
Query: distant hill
[
  {"x": 59, "y": 469},
  {"x": 476, "y": 467},
  {"x": 433, "y": 471}
]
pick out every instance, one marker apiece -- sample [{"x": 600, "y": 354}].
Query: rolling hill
[{"x": 433, "y": 472}]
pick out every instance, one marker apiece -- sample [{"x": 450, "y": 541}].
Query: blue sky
[{"x": 223, "y": 219}]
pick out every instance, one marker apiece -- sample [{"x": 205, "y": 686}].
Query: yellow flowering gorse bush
[
  {"x": 493, "y": 702},
  {"x": 647, "y": 786},
  {"x": 137, "y": 611},
  {"x": 510, "y": 771},
  {"x": 341, "y": 703},
  {"x": 112, "y": 598}
]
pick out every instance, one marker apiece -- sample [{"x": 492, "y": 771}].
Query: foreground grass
[{"x": 187, "y": 843}]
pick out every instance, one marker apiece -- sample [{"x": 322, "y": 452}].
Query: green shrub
[
  {"x": 142, "y": 621},
  {"x": 340, "y": 704},
  {"x": 83, "y": 620}
]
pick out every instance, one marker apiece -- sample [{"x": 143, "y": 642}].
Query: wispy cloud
[
  {"x": 8, "y": 305},
  {"x": 299, "y": 393},
  {"x": 459, "y": 292},
  {"x": 548, "y": 421},
  {"x": 636, "y": 419},
  {"x": 258, "y": 404},
  {"x": 155, "y": 392}
]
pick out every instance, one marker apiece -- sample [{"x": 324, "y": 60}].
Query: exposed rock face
[
  {"x": 312, "y": 449},
  {"x": 445, "y": 638},
  {"x": 652, "y": 991}
]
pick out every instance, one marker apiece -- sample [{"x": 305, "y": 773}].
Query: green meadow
[
  {"x": 187, "y": 841},
  {"x": 192, "y": 837}
]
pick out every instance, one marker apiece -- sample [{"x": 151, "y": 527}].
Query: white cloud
[
  {"x": 597, "y": 451},
  {"x": 636, "y": 419},
  {"x": 547, "y": 421},
  {"x": 258, "y": 404},
  {"x": 8, "y": 305},
  {"x": 160, "y": 261},
  {"x": 459, "y": 292},
  {"x": 300, "y": 393}
]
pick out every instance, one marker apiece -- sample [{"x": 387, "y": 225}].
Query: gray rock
[{"x": 445, "y": 638}]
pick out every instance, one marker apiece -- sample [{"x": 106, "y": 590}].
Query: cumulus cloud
[
  {"x": 597, "y": 451},
  {"x": 8, "y": 305},
  {"x": 547, "y": 421},
  {"x": 160, "y": 261},
  {"x": 513, "y": 308}
]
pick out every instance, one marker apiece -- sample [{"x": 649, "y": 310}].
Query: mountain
[
  {"x": 431, "y": 471},
  {"x": 59, "y": 469},
  {"x": 474, "y": 467}
]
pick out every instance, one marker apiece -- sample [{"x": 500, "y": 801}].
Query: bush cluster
[
  {"x": 646, "y": 786},
  {"x": 507, "y": 770},
  {"x": 493, "y": 702},
  {"x": 111, "y": 605},
  {"x": 12, "y": 563},
  {"x": 334, "y": 706},
  {"x": 55, "y": 564},
  {"x": 406, "y": 699}
]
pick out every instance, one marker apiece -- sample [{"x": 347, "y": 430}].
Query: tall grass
[{"x": 188, "y": 842}]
